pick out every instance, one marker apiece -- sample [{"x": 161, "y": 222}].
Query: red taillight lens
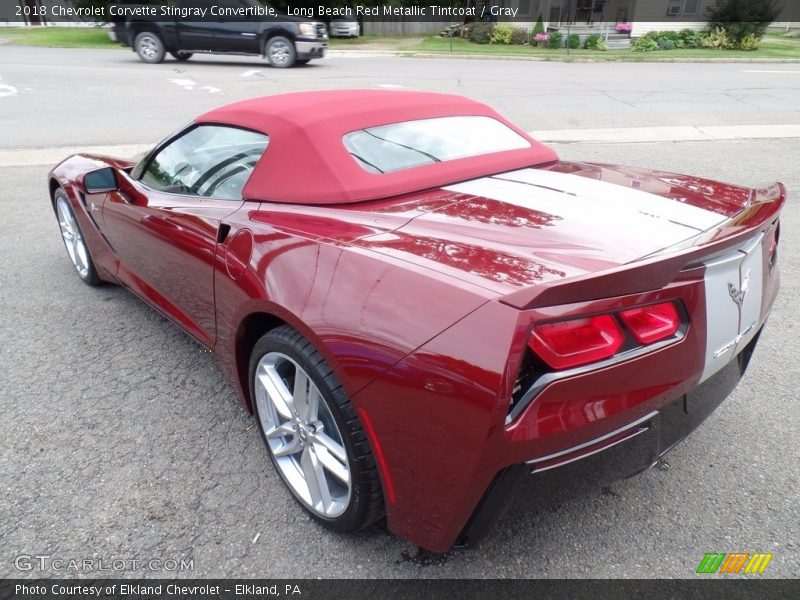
[
  {"x": 652, "y": 323},
  {"x": 576, "y": 342}
]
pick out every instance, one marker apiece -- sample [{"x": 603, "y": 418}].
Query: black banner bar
[
  {"x": 711, "y": 587},
  {"x": 456, "y": 11}
]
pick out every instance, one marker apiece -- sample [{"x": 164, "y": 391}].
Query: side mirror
[{"x": 102, "y": 180}]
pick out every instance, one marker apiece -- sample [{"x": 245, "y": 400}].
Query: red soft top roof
[{"x": 307, "y": 163}]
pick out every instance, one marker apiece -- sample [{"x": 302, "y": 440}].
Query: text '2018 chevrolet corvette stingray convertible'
[{"x": 422, "y": 305}]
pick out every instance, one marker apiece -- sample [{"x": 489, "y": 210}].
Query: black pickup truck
[{"x": 154, "y": 28}]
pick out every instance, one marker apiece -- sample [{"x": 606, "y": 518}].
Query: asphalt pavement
[{"x": 121, "y": 439}]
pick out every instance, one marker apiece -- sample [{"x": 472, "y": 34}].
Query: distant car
[
  {"x": 344, "y": 27},
  {"x": 284, "y": 41},
  {"x": 421, "y": 304}
]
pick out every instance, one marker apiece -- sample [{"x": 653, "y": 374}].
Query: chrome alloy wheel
[
  {"x": 279, "y": 52},
  {"x": 76, "y": 248},
  {"x": 148, "y": 47},
  {"x": 302, "y": 435}
]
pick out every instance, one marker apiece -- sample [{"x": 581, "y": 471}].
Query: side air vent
[{"x": 532, "y": 368}]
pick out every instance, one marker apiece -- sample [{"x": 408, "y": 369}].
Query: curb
[{"x": 585, "y": 59}]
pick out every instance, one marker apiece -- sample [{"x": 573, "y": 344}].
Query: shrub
[
  {"x": 502, "y": 33},
  {"x": 644, "y": 44},
  {"x": 686, "y": 33},
  {"x": 665, "y": 44},
  {"x": 574, "y": 41},
  {"x": 749, "y": 42},
  {"x": 687, "y": 36},
  {"x": 592, "y": 41},
  {"x": 520, "y": 36},
  {"x": 556, "y": 40},
  {"x": 539, "y": 27},
  {"x": 740, "y": 18},
  {"x": 672, "y": 36},
  {"x": 717, "y": 39},
  {"x": 481, "y": 33},
  {"x": 697, "y": 40}
]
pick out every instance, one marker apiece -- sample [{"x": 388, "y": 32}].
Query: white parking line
[
  {"x": 7, "y": 90},
  {"x": 187, "y": 84}
]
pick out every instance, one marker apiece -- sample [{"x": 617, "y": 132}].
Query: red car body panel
[{"x": 422, "y": 302}]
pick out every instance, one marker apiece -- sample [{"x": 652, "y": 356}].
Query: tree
[
  {"x": 740, "y": 18},
  {"x": 539, "y": 27}
]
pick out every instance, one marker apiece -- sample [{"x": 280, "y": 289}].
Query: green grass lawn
[
  {"x": 366, "y": 39},
  {"x": 58, "y": 37},
  {"x": 771, "y": 47}
]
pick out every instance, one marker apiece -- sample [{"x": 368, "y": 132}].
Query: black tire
[
  {"x": 301, "y": 61},
  {"x": 280, "y": 52},
  {"x": 181, "y": 55},
  {"x": 77, "y": 250},
  {"x": 364, "y": 505},
  {"x": 149, "y": 47}
]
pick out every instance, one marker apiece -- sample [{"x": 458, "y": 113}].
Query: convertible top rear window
[{"x": 414, "y": 143}]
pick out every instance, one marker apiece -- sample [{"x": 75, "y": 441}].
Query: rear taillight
[
  {"x": 577, "y": 341},
  {"x": 652, "y": 323}
]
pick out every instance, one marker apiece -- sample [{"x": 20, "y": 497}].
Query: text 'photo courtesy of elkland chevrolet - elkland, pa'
[{"x": 431, "y": 299}]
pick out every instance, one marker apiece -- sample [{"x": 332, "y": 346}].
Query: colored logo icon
[{"x": 735, "y": 562}]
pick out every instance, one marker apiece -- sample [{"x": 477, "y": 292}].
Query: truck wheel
[
  {"x": 280, "y": 52},
  {"x": 181, "y": 55},
  {"x": 149, "y": 47}
]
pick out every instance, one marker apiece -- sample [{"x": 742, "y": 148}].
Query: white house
[{"x": 644, "y": 15}]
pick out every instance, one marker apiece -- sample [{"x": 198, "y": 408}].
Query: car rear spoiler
[{"x": 660, "y": 268}]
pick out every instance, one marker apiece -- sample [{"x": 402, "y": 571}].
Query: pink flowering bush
[
  {"x": 542, "y": 37},
  {"x": 624, "y": 27}
]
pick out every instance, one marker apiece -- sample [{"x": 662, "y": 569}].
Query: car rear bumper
[{"x": 549, "y": 480}]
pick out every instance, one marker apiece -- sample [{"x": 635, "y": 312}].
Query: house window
[
  {"x": 690, "y": 7},
  {"x": 676, "y": 8}
]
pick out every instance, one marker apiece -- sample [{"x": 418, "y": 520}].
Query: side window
[{"x": 211, "y": 161}]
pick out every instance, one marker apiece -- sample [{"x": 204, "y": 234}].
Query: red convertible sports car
[{"x": 423, "y": 306}]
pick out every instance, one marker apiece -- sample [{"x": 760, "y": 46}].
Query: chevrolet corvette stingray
[{"x": 422, "y": 305}]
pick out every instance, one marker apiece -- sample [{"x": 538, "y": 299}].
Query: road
[{"x": 122, "y": 440}]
